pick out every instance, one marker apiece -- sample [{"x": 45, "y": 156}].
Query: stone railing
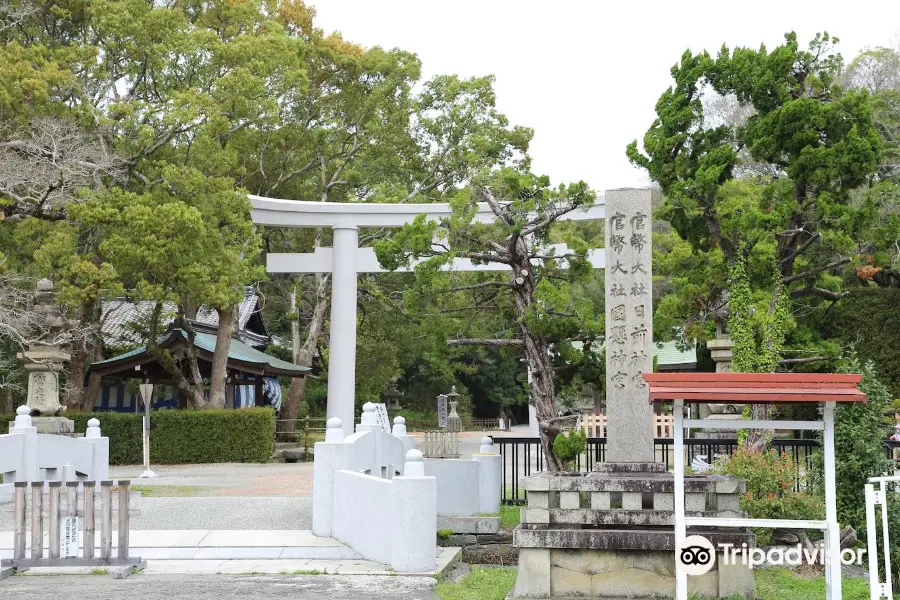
[{"x": 595, "y": 501}]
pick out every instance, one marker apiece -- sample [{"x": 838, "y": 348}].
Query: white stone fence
[
  {"x": 468, "y": 487},
  {"x": 28, "y": 456},
  {"x": 371, "y": 493}
]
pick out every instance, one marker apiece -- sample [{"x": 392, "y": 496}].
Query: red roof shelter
[{"x": 757, "y": 388}]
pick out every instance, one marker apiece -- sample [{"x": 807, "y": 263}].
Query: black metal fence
[{"x": 523, "y": 456}]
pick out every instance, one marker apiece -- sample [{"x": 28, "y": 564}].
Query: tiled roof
[
  {"x": 124, "y": 320},
  {"x": 237, "y": 351}
]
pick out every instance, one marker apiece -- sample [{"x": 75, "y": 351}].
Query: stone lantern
[
  {"x": 43, "y": 360},
  {"x": 392, "y": 398},
  {"x": 454, "y": 423}
]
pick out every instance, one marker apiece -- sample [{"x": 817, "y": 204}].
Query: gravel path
[{"x": 219, "y": 587}]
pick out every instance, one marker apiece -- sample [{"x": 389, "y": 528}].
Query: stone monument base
[
  {"x": 52, "y": 425},
  {"x": 610, "y": 534},
  {"x": 622, "y": 573}
]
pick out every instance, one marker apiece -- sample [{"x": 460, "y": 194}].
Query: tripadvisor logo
[{"x": 697, "y": 555}]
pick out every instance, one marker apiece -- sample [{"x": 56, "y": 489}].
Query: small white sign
[
  {"x": 442, "y": 411},
  {"x": 383, "y": 419},
  {"x": 69, "y": 537}
]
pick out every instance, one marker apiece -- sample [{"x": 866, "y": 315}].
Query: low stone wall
[
  {"x": 388, "y": 521},
  {"x": 610, "y": 534},
  {"x": 567, "y": 573}
]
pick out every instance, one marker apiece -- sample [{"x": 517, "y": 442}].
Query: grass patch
[
  {"x": 444, "y": 533},
  {"x": 99, "y": 571},
  {"x": 510, "y": 516},
  {"x": 167, "y": 491},
  {"x": 479, "y": 584},
  {"x": 782, "y": 584},
  {"x": 310, "y": 572}
]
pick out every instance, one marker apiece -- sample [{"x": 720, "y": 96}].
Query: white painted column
[
  {"x": 832, "y": 533},
  {"x": 680, "y": 528},
  {"x": 342, "y": 347}
]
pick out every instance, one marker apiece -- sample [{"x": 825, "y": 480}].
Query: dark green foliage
[
  {"x": 568, "y": 446},
  {"x": 859, "y": 434},
  {"x": 869, "y": 318},
  {"x": 184, "y": 436}
]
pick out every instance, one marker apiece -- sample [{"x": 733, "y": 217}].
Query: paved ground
[{"x": 220, "y": 587}]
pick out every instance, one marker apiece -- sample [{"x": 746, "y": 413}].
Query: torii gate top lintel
[{"x": 339, "y": 215}]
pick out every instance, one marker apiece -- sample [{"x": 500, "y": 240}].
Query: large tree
[
  {"x": 811, "y": 143},
  {"x": 536, "y": 289}
]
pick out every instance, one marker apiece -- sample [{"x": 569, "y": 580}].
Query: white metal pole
[
  {"x": 680, "y": 528},
  {"x": 342, "y": 361},
  {"x": 886, "y": 549},
  {"x": 872, "y": 544},
  {"x": 147, "y": 395},
  {"x": 832, "y": 535}
]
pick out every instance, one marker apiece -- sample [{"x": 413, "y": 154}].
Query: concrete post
[
  {"x": 331, "y": 455},
  {"x": 399, "y": 431},
  {"x": 100, "y": 454},
  {"x": 342, "y": 363},
  {"x": 414, "y": 514},
  {"x": 28, "y": 469},
  {"x": 490, "y": 472}
]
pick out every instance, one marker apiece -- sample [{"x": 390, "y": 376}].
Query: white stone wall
[
  {"x": 26, "y": 455},
  {"x": 362, "y": 514},
  {"x": 457, "y": 483}
]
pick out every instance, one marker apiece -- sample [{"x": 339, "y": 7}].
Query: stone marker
[{"x": 629, "y": 326}]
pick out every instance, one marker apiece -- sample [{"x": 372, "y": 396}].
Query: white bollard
[
  {"x": 23, "y": 417},
  {"x": 415, "y": 465},
  {"x": 333, "y": 430},
  {"x": 399, "y": 427},
  {"x": 369, "y": 420},
  {"x": 487, "y": 446},
  {"x": 93, "y": 429}
]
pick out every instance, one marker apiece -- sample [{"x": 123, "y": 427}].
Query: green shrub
[
  {"x": 569, "y": 446},
  {"x": 184, "y": 436},
  {"x": 770, "y": 488},
  {"x": 859, "y": 434}
]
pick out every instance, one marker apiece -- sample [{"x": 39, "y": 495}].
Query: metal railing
[
  {"x": 303, "y": 432},
  {"x": 523, "y": 456}
]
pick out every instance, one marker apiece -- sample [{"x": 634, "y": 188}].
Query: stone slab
[
  {"x": 6, "y": 572},
  {"x": 263, "y": 537},
  {"x": 621, "y": 539},
  {"x": 469, "y": 524},
  {"x": 51, "y": 425},
  {"x": 630, "y": 467},
  {"x": 632, "y": 482}
]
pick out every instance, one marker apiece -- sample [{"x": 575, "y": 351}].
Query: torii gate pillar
[{"x": 342, "y": 346}]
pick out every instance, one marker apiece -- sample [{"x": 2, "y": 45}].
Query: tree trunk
[
  {"x": 303, "y": 354},
  {"x": 91, "y": 392},
  {"x": 219, "y": 371},
  {"x": 537, "y": 355},
  {"x": 84, "y": 349},
  {"x": 75, "y": 376}
]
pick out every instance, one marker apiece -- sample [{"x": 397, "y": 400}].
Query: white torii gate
[{"x": 345, "y": 260}]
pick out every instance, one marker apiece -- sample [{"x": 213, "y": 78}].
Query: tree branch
[
  {"x": 817, "y": 291},
  {"x": 815, "y": 270},
  {"x": 802, "y": 361},
  {"x": 484, "y": 342},
  {"x": 800, "y": 249}
]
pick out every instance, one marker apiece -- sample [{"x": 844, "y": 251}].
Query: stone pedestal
[
  {"x": 611, "y": 534},
  {"x": 52, "y": 425},
  {"x": 43, "y": 365},
  {"x": 721, "y": 350}
]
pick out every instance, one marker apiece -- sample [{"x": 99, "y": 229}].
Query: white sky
[{"x": 586, "y": 74}]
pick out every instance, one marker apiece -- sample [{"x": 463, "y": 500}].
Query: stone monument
[
  {"x": 629, "y": 326},
  {"x": 610, "y": 534},
  {"x": 43, "y": 360}
]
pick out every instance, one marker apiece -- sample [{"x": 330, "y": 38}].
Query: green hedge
[
  {"x": 869, "y": 318},
  {"x": 184, "y": 436}
]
